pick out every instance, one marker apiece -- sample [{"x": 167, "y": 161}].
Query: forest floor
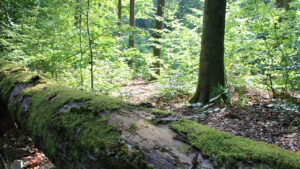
[
  {"x": 257, "y": 118},
  {"x": 17, "y": 151}
]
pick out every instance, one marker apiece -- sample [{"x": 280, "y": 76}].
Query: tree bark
[
  {"x": 78, "y": 129},
  {"x": 158, "y": 35},
  {"x": 211, "y": 71},
  {"x": 132, "y": 22},
  {"x": 286, "y": 4},
  {"x": 80, "y": 41},
  {"x": 90, "y": 44},
  {"x": 283, "y": 4},
  {"x": 77, "y": 10},
  {"x": 119, "y": 14}
]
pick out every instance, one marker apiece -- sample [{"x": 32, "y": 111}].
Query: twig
[{"x": 5, "y": 166}]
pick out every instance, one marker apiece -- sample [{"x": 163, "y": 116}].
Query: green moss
[
  {"x": 150, "y": 166},
  {"x": 10, "y": 78},
  {"x": 183, "y": 149},
  {"x": 6, "y": 66},
  {"x": 91, "y": 118},
  {"x": 160, "y": 112},
  {"x": 225, "y": 147},
  {"x": 156, "y": 111}
]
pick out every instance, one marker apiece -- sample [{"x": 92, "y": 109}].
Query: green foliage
[
  {"x": 181, "y": 46},
  {"x": 261, "y": 43}
]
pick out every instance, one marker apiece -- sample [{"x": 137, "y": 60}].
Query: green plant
[{"x": 133, "y": 127}]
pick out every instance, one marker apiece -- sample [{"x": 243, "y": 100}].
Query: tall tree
[
  {"x": 119, "y": 14},
  {"x": 283, "y": 4},
  {"x": 90, "y": 44},
  {"x": 80, "y": 41},
  {"x": 211, "y": 76},
  {"x": 132, "y": 22},
  {"x": 77, "y": 10},
  {"x": 158, "y": 34}
]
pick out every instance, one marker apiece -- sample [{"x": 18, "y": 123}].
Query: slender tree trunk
[
  {"x": 119, "y": 14},
  {"x": 211, "y": 71},
  {"x": 279, "y": 3},
  {"x": 80, "y": 41},
  {"x": 158, "y": 35},
  {"x": 283, "y": 4},
  {"x": 132, "y": 22},
  {"x": 286, "y": 4},
  {"x": 90, "y": 43},
  {"x": 77, "y": 10}
]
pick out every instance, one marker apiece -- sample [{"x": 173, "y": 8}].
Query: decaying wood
[{"x": 155, "y": 144}]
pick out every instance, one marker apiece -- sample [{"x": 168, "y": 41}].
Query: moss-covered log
[
  {"x": 71, "y": 126},
  {"x": 79, "y": 129}
]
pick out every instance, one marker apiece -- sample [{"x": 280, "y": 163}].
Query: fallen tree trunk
[{"x": 79, "y": 129}]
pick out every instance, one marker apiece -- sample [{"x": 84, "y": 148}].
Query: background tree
[
  {"x": 119, "y": 14},
  {"x": 283, "y": 4},
  {"x": 80, "y": 42},
  {"x": 90, "y": 44},
  {"x": 158, "y": 34},
  {"x": 42, "y": 36},
  {"x": 132, "y": 22},
  {"x": 211, "y": 73}
]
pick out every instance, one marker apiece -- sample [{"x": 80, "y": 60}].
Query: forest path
[{"x": 141, "y": 91}]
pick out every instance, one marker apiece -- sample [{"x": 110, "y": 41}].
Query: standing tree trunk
[
  {"x": 158, "y": 34},
  {"x": 77, "y": 10},
  {"x": 119, "y": 14},
  {"x": 90, "y": 43},
  {"x": 283, "y": 4},
  {"x": 286, "y": 4},
  {"x": 132, "y": 22},
  {"x": 80, "y": 41},
  {"x": 211, "y": 72}
]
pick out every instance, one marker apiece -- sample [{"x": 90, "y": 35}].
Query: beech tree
[
  {"x": 211, "y": 72},
  {"x": 158, "y": 34}
]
